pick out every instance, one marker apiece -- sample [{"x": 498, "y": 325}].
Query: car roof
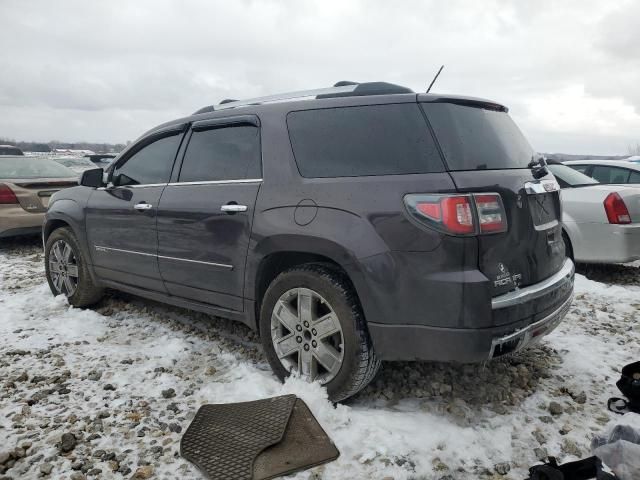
[{"x": 606, "y": 163}]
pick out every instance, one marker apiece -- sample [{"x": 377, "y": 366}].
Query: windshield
[
  {"x": 474, "y": 138},
  {"x": 29, "y": 167},
  {"x": 570, "y": 177}
]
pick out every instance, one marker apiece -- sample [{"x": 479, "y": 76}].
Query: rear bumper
[
  {"x": 469, "y": 345},
  {"x": 606, "y": 243},
  {"x": 14, "y": 220}
]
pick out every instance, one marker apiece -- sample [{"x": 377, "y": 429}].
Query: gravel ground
[{"x": 107, "y": 393}]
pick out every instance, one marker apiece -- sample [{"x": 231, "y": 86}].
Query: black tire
[
  {"x": 568, "y": 248},
  {"x": 359, "y": 364},
  {"x": 87, "y": 292}
]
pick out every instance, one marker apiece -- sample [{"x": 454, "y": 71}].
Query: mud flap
[{"x": 256, "y": 440}]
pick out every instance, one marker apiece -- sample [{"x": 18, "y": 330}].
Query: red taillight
[
  {"x": 616, "y": 209},
  {"x": 491, "y": 214},
  {"x": 6, "y": 195},
  {"x": 457, "y": 216},
  {"x": 460, "y": 214}
]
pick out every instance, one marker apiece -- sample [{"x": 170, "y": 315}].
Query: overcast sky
[{"x": 108, "y": 71}]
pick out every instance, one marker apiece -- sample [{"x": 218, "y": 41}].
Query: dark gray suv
[{"x": 346, "y": 225}]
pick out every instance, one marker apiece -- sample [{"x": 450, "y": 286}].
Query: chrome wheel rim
[
  {"x": 63, "y": 268},
  {"x": 307, "y": 336}
]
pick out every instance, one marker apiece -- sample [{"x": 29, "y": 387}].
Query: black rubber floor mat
[{"x": 256, "y": 440}]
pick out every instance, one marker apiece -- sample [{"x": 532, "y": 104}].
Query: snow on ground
[{"x": 127, "y": 377}]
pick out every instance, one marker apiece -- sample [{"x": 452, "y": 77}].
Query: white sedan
[{"x": 601, "y": 223}]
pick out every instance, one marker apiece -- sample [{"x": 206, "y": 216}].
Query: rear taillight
[
  {"x": 6, "y": 195},
  {"x": 616, "y": 209},
  {"x": 491, "y": 214},
  {"x": 459, "y": 214}
]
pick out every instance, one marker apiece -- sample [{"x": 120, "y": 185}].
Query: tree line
[{"x": 55, "y": 144}]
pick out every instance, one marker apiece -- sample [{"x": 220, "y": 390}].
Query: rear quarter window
[
  {"x": 474, "y": 138},
  {"x": 360, "y": 141}
]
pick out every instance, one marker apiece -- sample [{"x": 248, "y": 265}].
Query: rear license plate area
[{"x": 543, "y": 210}]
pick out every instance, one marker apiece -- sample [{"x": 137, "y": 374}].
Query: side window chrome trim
[
  {"x": 142, "y": 185},
  {"x": 217, "y": 182}
]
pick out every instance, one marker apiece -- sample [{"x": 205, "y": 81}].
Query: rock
[
  {"x": 546, "y": 419},
  {"x": 104, "y": 414},
  {"x": 99, "y": 454},
  {"x": 143, "y": 472},
  {"x": 67, "y": 442},
  {"x": 109, "y": 387},
  {"x": 46, "y": 468},
  {"x": 175, "y": 427},
  {"x": 570, "y": 448},
  {"x": 77, "y": 465},
  {"x": 210, "y": 371},
  {"x": 555, "y": 409},
  {"x": 539, "y": 436},
  {"x": 566, "y": 428},
  {"x": 173, "y": 407},
  {"x": 23, "y": 377},
  {"x": 540, "y": 453},
  {"x": 77, "y": 476},
  {"x": 502, "y": 468},
  {"x": 580, "y": 398},
  {"x": 4, "y": 457},
  {"x": 94, "y": 375},
  {"x": 168, "y": 393}
]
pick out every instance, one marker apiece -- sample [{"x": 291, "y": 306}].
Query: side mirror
[{"x": 92, "y": 178}]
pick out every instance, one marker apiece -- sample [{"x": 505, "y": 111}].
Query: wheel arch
[{"x": 277, "y": 255}]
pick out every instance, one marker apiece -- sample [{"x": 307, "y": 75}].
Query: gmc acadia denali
[{"x": 346, "y": 225}]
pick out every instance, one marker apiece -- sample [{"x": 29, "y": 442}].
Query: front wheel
[
  {"x": 67, "y": 271},
  {"x": 312, "y": 325}
]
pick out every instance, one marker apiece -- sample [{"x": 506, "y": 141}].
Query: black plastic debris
[
  {"x": 629, "y": 385},
  {"x": 256, "y": 440}
]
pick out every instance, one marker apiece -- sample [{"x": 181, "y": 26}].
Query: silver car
[
  {"x": 619, "y": 172},
  {"x": 601, "y": 223}
]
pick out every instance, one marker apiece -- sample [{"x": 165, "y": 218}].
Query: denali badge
[{"x": 505, "y": 278}]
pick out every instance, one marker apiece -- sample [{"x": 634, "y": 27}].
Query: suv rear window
[
  {"x": 358, "y": 141},
  {"x": 474, "y": 138}
]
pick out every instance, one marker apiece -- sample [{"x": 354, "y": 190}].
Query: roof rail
[{"x": 342, "y": 89}]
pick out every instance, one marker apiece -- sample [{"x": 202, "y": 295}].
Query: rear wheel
[
  {"x": 312, "y": 325},
  {"x": 568, "y": 248},
  {"x": 66, "y": 269}
]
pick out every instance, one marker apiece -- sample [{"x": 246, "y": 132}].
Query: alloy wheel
[
  {"x": 307, "y": 336},
  {"x": 63, "y": 268}
]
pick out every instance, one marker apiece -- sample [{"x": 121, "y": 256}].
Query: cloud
[{"x": 107, "y": 71}]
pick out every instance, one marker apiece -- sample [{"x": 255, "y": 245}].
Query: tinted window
[
  {"x": 356, "y": 141},
  {"x": 152, "y": 164},
  {"x": 634, "y": 177},
  {"x": 580, "y": 168},
  {"x": 569, "y": 177},
  {"x": 229, "y": 153},
  {"x": 478, "y": 139},
  {"x": 610, "y": 174},
  {"x": 29, "y": 167}
]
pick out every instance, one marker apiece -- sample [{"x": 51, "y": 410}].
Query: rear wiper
[{"x": 538, "y": 167}]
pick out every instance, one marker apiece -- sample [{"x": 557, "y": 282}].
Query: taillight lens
[
  {"x": 616, "y": 209},
  {"x": 459, "y": 214},
  {"x": 491, "y": 214},
  {"x": 6, "y": 195}
]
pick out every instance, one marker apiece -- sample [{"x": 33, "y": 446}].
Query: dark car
[
  {"x": 347, "y": 225},
  {"x": 10, "y": 150}
]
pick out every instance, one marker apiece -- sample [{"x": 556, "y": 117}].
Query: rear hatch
[{"x": 485, "y": 152}]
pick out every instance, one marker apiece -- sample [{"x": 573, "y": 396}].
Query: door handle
[
  {"x": 233, "y": 208},
  {"x": 141, "y": 207}
]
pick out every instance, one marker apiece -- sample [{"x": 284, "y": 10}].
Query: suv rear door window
[
  {"x": 151, "y": 164},
  {"x": 358, "y": 141},
  {"x": 224, "y": 153},
  {"x": 474, "y": 138}
]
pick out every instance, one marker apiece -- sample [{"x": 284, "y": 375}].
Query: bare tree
[{"x": 634, "y": 149}]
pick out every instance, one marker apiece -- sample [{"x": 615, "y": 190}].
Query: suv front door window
[
  {"x": 121, "y": 219},
  {"x": 205, "y": 214}
]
